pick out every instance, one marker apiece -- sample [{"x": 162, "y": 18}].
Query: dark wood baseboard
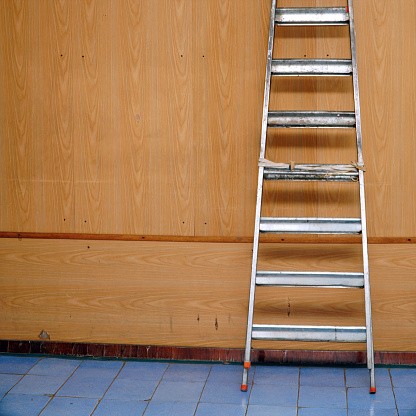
[{"x": 295, "y": 357}]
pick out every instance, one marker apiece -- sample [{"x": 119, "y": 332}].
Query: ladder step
[
  {"x": 311, "y": 119},
  {"x": 331, "y": 173},
  {"x": 311, "y": 16},
  {"x": 345, "y": 280},
  {"x": 310, "y": 225},
  {"x": 312, "y": 67},
  {"x": 309, "y": 333}
]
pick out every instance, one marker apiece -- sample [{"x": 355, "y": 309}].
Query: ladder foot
[
  {"x": 372, "y": 390},
  {"x": 244, "y": 387}
]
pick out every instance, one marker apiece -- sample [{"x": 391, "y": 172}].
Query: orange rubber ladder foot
[
  {"x": 244, "y": 387},
  {"x": 372, "y": 390}
]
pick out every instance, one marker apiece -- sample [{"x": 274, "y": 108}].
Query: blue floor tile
[
  {"x": 114, "y": 387},
  {"x": 372, "y": 412},
  {"x": 284, "y": 376},
  {"x": 125, "y": 389},
  {"x": 272, "y": 395},
  {"x": 7, "y": 381},
  {"x": 93, "y": 388},
  {"x": 98, "y": 369},
  {"x": 187, "y": 372},
  {"x": 38, "y": 385},
  {"x": 120, "y": 408},
  {"x": 258, "y": 410},
  {"x": 316, "y": 411},
  {"x": 360, "y": 377},
  {"x": 16, "y": 365},
  {"x": 403, "y": 377},
  {"x": 171, "y": 409},
  {"x": 360, "y": 398},
  {"x": 143, "y": 371},
  {"x": 228, "y": 374},
  {"x": 405, "y": 398},
  {"x": 210, "y": 409},
  {"x": 181, "y": 391},
  {"x": 326, "y": 377},
  {"x": 406, "y": 412},
  {"x": 70, "y": 406},
  {"x": 22, "y": 405},
  {"x": 325, "y": 397},
  {"x": 55, "y": 367},
  {"x": 225, "y": 393}
]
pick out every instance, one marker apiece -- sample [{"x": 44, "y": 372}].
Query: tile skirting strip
[{"x": 295, "y": 357}]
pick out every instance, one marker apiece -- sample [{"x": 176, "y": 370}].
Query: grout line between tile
[
  {"x": 160, "y": 380},
  {"x": 54, "y": 395},
  {"x": 114, "y": 379},
  {"x": 251, "y": 389},
  {"x": 392, "y": 389},
  {"x": 200, "y": 396}
]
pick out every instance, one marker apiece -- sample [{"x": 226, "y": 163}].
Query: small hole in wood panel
[
  {"x": 409, "y": 239},
  {"x": 85, "y": 220},
  {"x": 82, "y": 56},
  {"x": 88, "y": 246},
  {"x": 64, "y": 219}
]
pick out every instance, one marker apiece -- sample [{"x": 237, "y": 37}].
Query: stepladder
[{"x": 334, "y": 172}]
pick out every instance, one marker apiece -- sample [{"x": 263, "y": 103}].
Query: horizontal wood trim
[
  {"x": 149, "y": 352},
  {"x": 201, "y": 239}
]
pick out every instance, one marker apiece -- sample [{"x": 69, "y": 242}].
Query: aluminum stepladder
[{"x": 311, "y": 172}]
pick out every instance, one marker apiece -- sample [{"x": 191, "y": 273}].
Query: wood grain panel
[
  {"x": 229, "y": 62},
  {"x": 192, "y": 294},
  {"x": 18, "y": 87},
  {"x": 145, "y": 119},
  {"x": 94, "y": 163},
  {"x": 386, "y": 54},
  {"x": 135, "y": 115},
  {"x": 175, "y": 150},
  {"x": 53, "y": 106}
]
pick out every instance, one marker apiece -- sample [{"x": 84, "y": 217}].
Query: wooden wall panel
[
  {"x": 94, "y": 164},
  {"x": 230, "y": 75},
  {"x": 388, "y": 83},
  {"x": 145, "y": 119},
  {"x": 192, "y": 294}
]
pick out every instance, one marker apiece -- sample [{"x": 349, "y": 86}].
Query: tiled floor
[{"x": 31, "y": 386}]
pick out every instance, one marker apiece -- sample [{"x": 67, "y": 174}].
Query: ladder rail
[
  {"x": 268, "y": 80},
  {"x": 247, "y": 354},
  {"x": 367, "y": 293}
]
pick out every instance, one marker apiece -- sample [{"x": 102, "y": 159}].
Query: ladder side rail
[
  {"x": 367, "y": 294},
  {"x": 268, "y": 80},
  {"x": 247, "y": 354}
]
